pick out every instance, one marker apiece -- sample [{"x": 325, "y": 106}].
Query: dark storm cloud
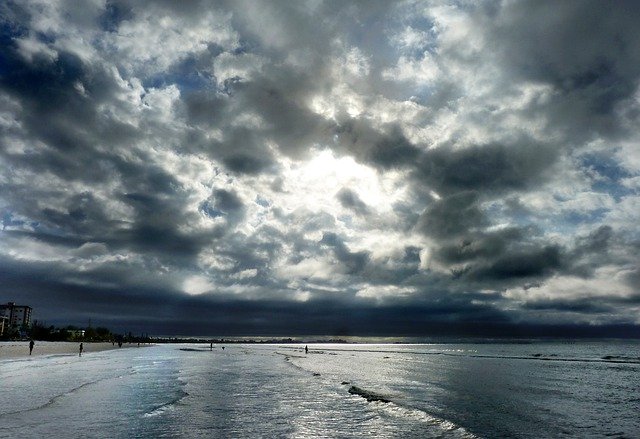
[
  {"x": 322, "y": 318},
  {"x": 587, "y": 51},
  {"x": 243, "y": 150},
  {"x": 353, "y": 262},
  {"x": 47, "y": 237},
  {"x": 452, "y": 216},
  {"x": 597, "y": 241},
  {"x": 62, "y": 90},
  {"x": 506, "y": 255},
  {"x": 71, "y": 300},
  {"x": 64, "y": 297},
  {"x": 252, "y": 254},
  {"x": 350, "y": 200},
  {"x": 517, "y": 254},
  {"x": 480, "y": 245},
  {"x": 277, "y": 99},
  {"x": 502, "y": 257},
  {"x": 224, "y": 203},
  {"x": 58, "y": 100},
  {"x": 633, "y": 278},
  {"x": 156, "y": 228},
  {"x": 115, "y": 12},
  {"x": 532, "y": 263},
  {"x": 382, "y": 149},
  {"x": 154, "y": 165},
  {"x": 581, "y": 306},
  {"x": 205, "y": 108},
  {"x": 487, "y": 168},
  {"x": 400, "y": 271}
]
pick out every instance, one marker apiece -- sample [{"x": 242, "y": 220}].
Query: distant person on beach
[
  {"x": 211, "y": 346},
  {"x": 31, "y": 343},
  {"x": 306, "y": 349},
  {"x": 81, "y": 349}
]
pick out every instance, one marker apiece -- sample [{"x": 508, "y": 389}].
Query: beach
[
  {"x": 20, "y": 349},
  {"x": 453, "y": 390}
]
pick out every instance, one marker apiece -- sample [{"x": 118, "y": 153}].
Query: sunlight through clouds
[{"x": 477, "y": 161}]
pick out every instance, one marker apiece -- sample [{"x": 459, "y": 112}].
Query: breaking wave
[
  {"x": 391, "y": 408},
  {"x": 167, "y": 406}
]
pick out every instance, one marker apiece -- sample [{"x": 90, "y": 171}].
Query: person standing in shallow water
[
  {"x": 306, "y": 349},
  {"x": 81, "y": 349},
  {"x": 31, "y": 343}
]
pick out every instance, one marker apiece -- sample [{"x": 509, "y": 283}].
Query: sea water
[{"x": 542, "y": 389}]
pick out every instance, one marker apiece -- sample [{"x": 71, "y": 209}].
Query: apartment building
[{"x": 16, "y": 315}]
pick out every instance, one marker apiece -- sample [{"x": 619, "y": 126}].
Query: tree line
[{"x": 40, "y": 331}]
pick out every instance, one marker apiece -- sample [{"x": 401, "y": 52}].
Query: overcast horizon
[{"x": 320, "y": 167}]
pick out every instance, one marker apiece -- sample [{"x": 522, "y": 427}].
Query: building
[
  {"x": 16, "y": 315},
  {"x": 76, "y": 333}
]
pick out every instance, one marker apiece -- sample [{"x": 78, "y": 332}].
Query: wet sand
[{"x": 20, "y": 349}]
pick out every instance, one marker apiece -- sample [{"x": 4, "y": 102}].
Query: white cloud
[
  {"x": 154, "y": 39},
  {"x": 196, "y": 285},
  {"x": 227, "y": 66},
  {"x": 422, "y": 72},
  {"x": 380, "y": 293}
]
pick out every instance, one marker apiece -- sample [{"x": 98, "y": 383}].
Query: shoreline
[{"x": 11, "y": 350}]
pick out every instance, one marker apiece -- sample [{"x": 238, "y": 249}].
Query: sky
[{"x": 322, "y": 167}]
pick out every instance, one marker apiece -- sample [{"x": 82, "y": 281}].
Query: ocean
[{"x": 450, "y": 390}]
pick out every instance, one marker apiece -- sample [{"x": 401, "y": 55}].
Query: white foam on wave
[
  {"x": 388, "y": 406},
  {"x": 168, "y": 406},
  {"x": 159, "y": 411},
  {"x": 420, "y": 416}
]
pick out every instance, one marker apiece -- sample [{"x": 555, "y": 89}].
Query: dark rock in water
[
  {"x": 344, "y": 383},
  {"x": 369, "y": 396},
  {"x": 316, "y": 374}
]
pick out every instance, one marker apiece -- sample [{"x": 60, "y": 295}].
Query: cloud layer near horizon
[{"x": 297, "y": 166}]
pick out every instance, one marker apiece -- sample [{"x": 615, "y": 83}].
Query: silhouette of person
[
  {"x": 306, "y": 349},
  {"x": 31, "y": 343},
  {"x": 81, "y": 349},
  {"x": 211, "y": 346}
]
